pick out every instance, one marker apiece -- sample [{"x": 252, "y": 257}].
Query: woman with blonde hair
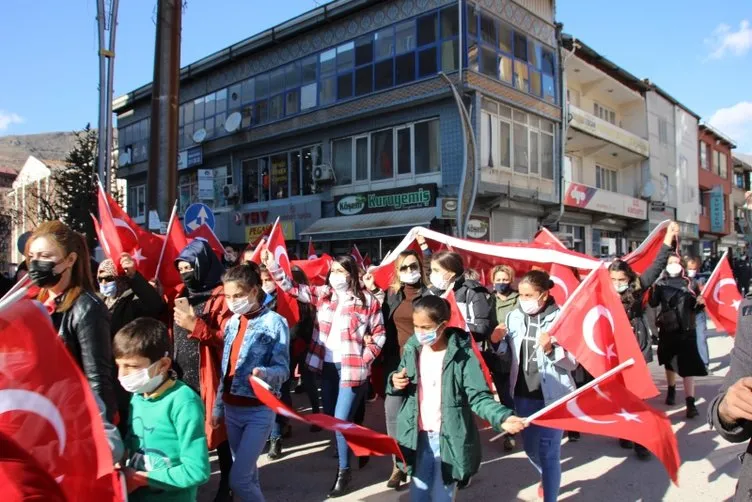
[
  {"x": 409, "y": 286},
  {"x": 58, "y": 261}
]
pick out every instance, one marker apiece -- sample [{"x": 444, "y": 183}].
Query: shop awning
[{"x": 389, "y": 224}]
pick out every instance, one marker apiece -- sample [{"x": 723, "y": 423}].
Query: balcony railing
[{"x": 590, "y": 124}]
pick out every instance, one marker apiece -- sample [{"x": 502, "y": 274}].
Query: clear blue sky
[{"x": 700, "y": 54}]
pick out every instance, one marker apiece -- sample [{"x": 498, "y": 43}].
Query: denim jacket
[
  {"x": 265, "y": 346},
  {"x": 555, "y": 368}
]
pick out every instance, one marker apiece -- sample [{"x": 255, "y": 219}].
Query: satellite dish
[
  {"x": 233, "y": 122},
  {"x": 648, "y": 190},
  {"x": 199, "y": 135}
]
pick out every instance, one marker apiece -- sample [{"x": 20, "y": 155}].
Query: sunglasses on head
[
  {"x": 412, "y": 267},
  {"x": 109, "y": 278}
]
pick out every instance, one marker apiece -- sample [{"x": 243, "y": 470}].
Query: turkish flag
[
  {"x": 608, "y": 408},
  {"x": 546, "y": 238},
  {"x": 565, "y": 282},
  {"x": 641, "y": 258},
  {"x": 722, "y": 298},
  {"x": 48, "y": 408},
  {"x": 142, "y": 245},
  {"x": 287, "y": 306},
  {"x": 205, "y": 232},
  {"x": 23, "y": 479},
  {"x": 311, "y": 250},
  {"x": 457, "y": 320},
  {"x": 355, "y": 252},
  {"x": 315, "y": 269},
  {"x": 367, "y": 262},
  {"x": 109, "y": 238},
  {"x": 362, "y": 441},
  {"x": 594, "y": 327},
  {"x": 173, "y": 244}
]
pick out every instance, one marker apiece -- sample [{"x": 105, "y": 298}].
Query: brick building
[
  {"x": 715, "y": 179},
  {"x": 339, "y": 123}
]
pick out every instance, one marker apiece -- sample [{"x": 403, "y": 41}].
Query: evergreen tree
[{"x": 76, "y": 185}]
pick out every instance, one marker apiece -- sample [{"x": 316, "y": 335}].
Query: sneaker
[
  {"x": 691, "y": 408},
  {"x": 509, "y": 443},
  {"x": 642, "y": 452},
  {"x": 573, "y": 436},
  {"x": 626, "y": 444},
  {"x": 275, "y": 449},
  {"x": 671, "y": 395},
  {"x": 461, "y": 485}
]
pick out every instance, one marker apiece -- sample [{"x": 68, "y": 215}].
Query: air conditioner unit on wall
[
  {"x": 323, "y": 173},
  {"x": 231, "y": 192}
]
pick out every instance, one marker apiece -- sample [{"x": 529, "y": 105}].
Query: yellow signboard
[{"x": 255, "y": 231}]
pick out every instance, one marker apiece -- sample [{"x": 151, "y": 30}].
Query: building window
[
  {"x": 605, "y": 179},
  {"x": 704, "y": 155},
  {"x": 507, "y": 55},
  {"x": 405, "y": 150},
  {"x": 222, "y": 178},
  {"x": 573, "y": 237},
  {"x": 187, "y": 190},
  {"x": 525, "y": 142},
  {"x": 133, "y": 142},
  {"x": 663, "y": 131},
  {"x": 723, "y": 165},
  {"x": 717, "y": 162},
  {"x": 137, "y": 201},
  {"x": 280, "y": 176},
  {"x": 739, "y": 180},
  {"x": 604, "y": 113}
]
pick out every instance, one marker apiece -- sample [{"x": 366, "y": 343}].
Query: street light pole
[{"x": 106, "y": 24}]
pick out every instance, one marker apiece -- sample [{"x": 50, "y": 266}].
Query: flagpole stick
[
  {"x": 164, "y": 244},
  {"x": 9, "y": 300},
  {"x": 20, "y": 284},
  {"x": 626, "y": 364}
]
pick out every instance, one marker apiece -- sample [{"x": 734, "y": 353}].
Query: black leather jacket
[{"x": 85, "y": 330}]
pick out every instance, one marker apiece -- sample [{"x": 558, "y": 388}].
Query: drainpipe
[{"x": 564, "y": 121}]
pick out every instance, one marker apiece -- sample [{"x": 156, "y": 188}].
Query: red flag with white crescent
[
  {"x": 362, "y": 441},
  {"x": 48, "y": 407},
  {"x": 287, "y": 306},
  {"x": 645, "y": 255},
  {"x": 205, "y": 232},
  {"x": 311, "y": 250},
  {"x": 316, "y": 270},
  {"x": 722, "y": 297},
  {"x": 595, "y": 329},
  {"x": 565, "y": 282},
  {"x": 608, "y": 408},
  {"x": 547, "y": 238}
]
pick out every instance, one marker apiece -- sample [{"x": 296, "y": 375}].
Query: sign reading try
[{"x": 394, "y": 199}]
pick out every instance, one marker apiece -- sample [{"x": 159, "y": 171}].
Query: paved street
[{"x": 595, "y": 469}]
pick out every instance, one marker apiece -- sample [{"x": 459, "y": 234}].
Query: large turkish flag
[{"x": 722, "y": 298}]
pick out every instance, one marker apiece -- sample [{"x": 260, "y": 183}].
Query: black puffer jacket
[
  {"x": 139, "y": 300},
  {"x": 476, "y": 305},
  {"x": 85, "y": 330},
  {"x": 632, "y": 300}
]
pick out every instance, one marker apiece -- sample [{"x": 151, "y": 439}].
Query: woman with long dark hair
[
  {"x": 679, "y": 298},
  {"x": 632, "y": 289},
  {"x": 58, "y": 263},
  {"x": 347, "y": 338}
]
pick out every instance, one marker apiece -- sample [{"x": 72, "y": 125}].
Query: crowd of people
[{"x": 172, "y": 368}]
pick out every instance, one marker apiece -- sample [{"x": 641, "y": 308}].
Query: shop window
[
  {"x": 279, "y": 176},
  {"x": 311, "y": 157},
  {"x": 295, "y": 172}
]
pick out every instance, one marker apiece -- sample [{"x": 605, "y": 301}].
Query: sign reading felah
[{"x": 394, "y": 199}]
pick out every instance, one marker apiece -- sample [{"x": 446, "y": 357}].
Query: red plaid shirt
[{"x": 356, "y": 355}]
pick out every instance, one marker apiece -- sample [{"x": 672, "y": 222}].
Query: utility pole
[
  {"x": 106, "y": 26},
  {"x": 163, "y": 149}
]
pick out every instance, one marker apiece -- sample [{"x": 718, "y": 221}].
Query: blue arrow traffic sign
[{"x": 196, "y": 215}]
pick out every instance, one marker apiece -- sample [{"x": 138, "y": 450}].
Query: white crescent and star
[
  {"x": 33, "y": 402},
  {"x": 588, "y": 330},
  {"x": 122, "y": 224},
  {"x": 561, "y": 284},
  {"x": 717, "y": 290},
  {"x": 280, "y": 251},
  {"x": 577, "y": 413}
]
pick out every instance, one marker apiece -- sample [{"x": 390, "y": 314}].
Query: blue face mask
[
  {"x": 428, "y": 338},
  {"x": 108, "y": 289}
]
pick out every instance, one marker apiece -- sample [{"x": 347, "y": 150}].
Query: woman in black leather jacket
[{"x": 58, "y": 260}]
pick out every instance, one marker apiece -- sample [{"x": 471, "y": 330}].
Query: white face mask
[
  {"x": 269, "y": 287},
  {"x": 691, "y": 273},
  {"x": 673, "y": 269},
  {"x": 139, "y": 382},
  {"x": 620, "y": 286},
  {"x": 439, "y": 281},
  {"x": 411, "y": 277},
  {"x": 530, "y": 307},
  {"x": 241, "y": 306},
  {"x": 339, "y": 282}
]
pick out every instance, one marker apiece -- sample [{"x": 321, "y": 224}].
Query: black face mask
[
  {"x": 190, "y": 280},
  {"x": 42, "y": 273},
  {"x": 502, "y": 288}
]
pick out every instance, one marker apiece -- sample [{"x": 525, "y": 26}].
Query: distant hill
[{"x": 14, "y": 150}]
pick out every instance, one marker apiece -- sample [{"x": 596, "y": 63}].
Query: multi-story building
[
  {"x": 607, "y": 151},
  {"x": 740, "y": 187},
  {"x": 716, "y": 169},
  {"x": 671, "y": 179},
  {"x": 339, "y": 123}
]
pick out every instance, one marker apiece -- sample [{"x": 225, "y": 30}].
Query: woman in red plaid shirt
[{"x": 347, "y": 338}]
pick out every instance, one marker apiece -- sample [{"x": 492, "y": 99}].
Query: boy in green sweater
[{"x": 167, "y": 456}]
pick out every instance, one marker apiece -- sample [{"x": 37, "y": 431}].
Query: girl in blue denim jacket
[
  {"x": 256, "y": 343},
  {"x": 540, "y": 374}
]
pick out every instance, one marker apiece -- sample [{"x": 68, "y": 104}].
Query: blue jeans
[
  {"x": 427, "y": 483},
  {"x": 281, "y": 420},
  {"x": 342, "y": 403},
  {"x": 247, "y": 430},
  {"x": 542, "y": 446}
]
